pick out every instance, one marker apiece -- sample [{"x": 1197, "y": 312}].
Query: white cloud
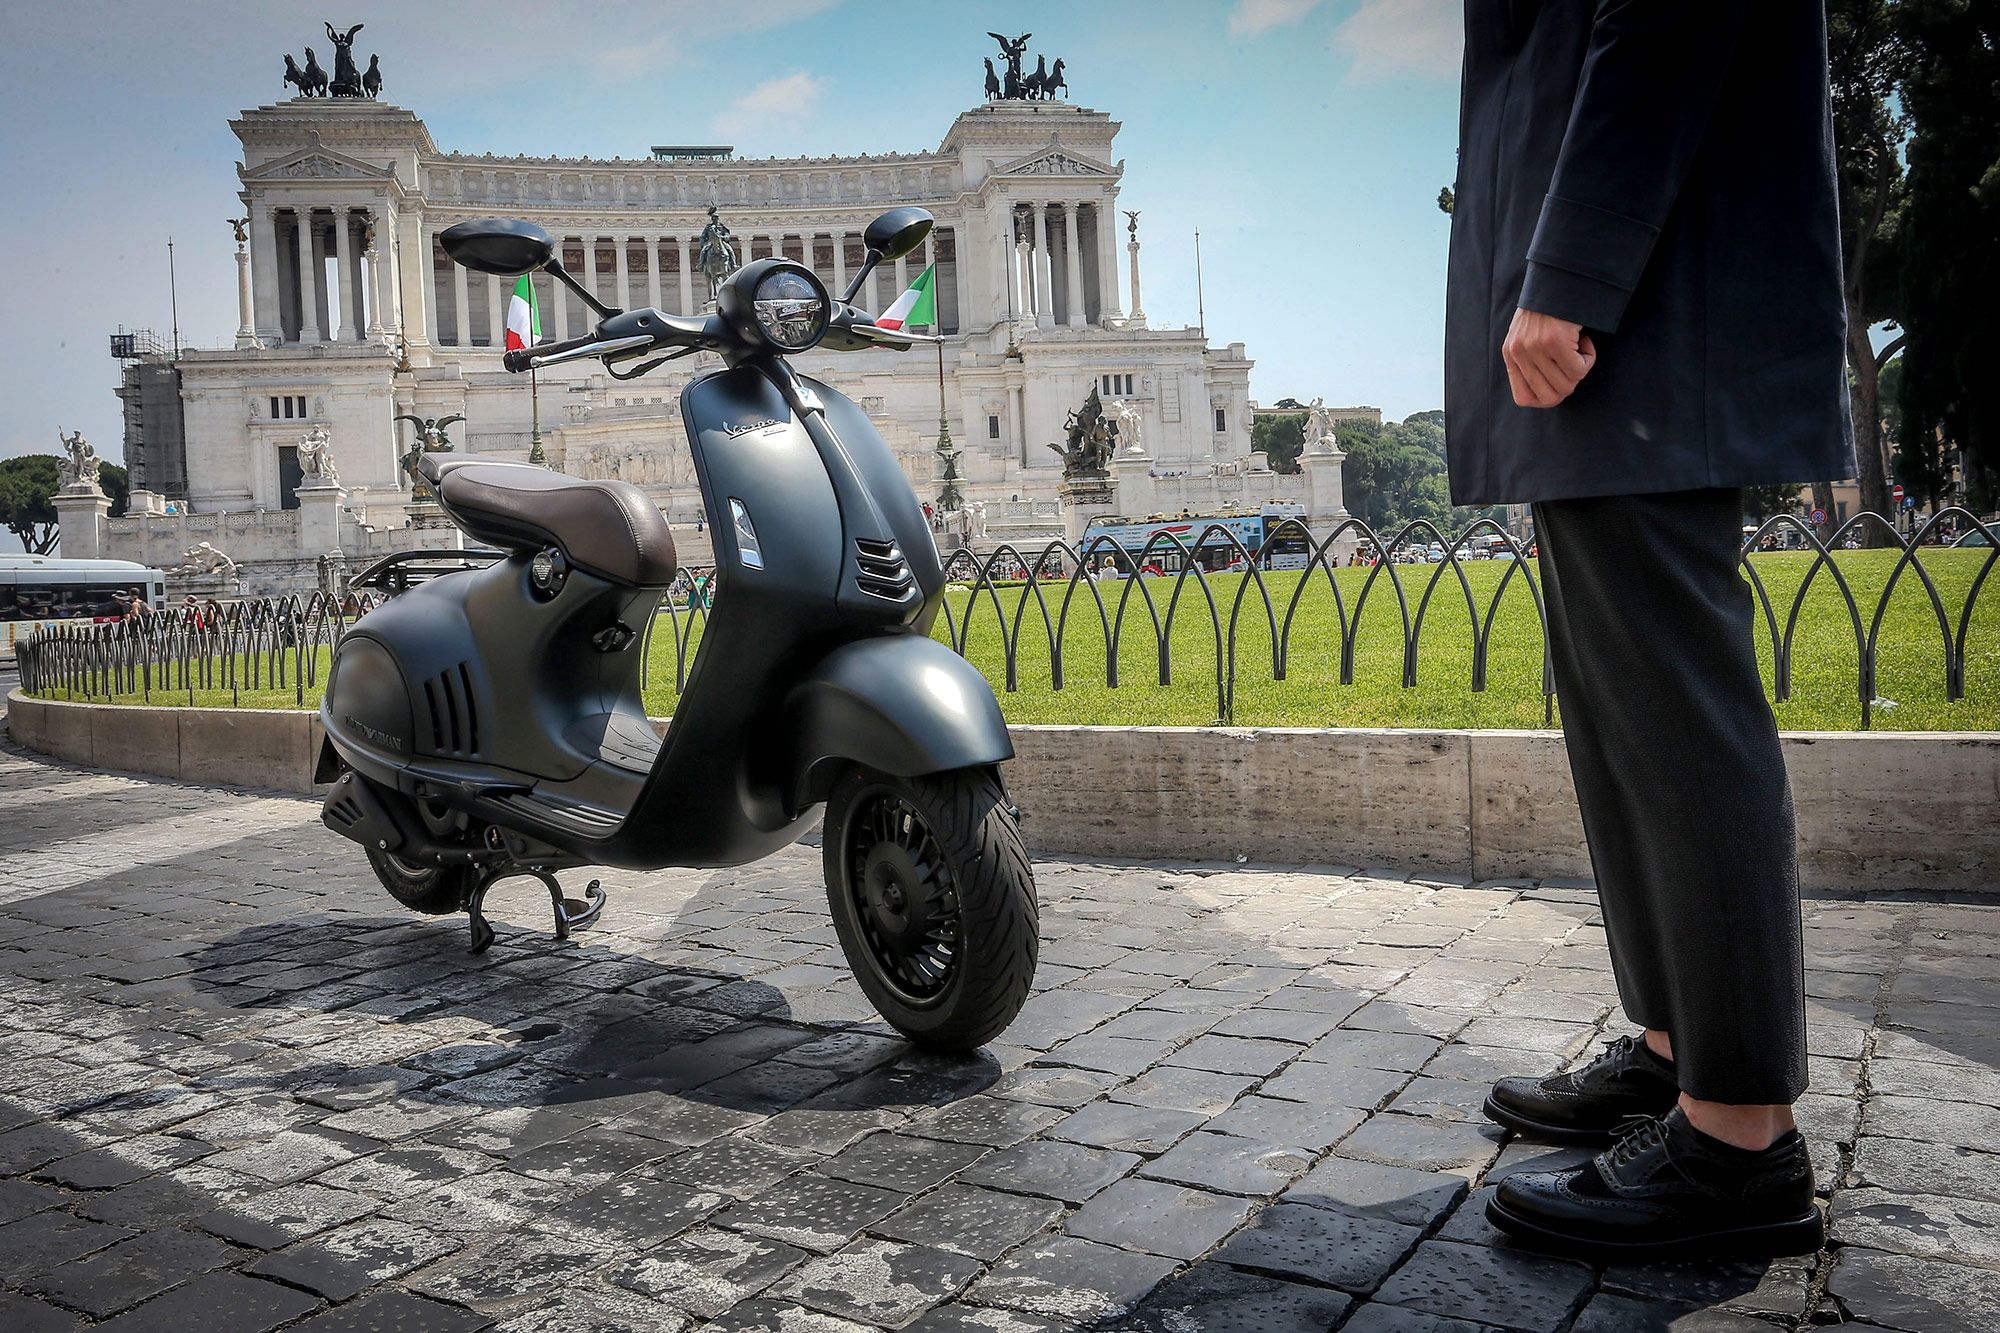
[
  {"x": 1387, "y": 38},
  {"x": 1251, "y": 17},
  {"x": 772, "y": 107}
]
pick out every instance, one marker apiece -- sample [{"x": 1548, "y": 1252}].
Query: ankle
[
  {"x": 1660, "y": 1044},
  {"x": 1751, "y": 1128}
]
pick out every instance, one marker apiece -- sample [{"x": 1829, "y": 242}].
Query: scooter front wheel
[{"x": 934, "y": 901}]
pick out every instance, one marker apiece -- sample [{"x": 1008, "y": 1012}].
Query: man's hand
[{"x": 1546, "y": 358}]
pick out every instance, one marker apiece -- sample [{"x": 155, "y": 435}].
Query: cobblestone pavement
[{"x": 241, "y": 1090}]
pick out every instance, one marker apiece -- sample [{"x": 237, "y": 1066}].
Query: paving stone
[
  {"x": 1926, "y": 1225},
  {"x": 518, "y": 1270},
  {"x": 735, "y": 1166},
  {"x": 600, "y": 1310},
  {"x": 24, "y": 1314},
  {"x": 353, "y": 1258},
  {"x": 1335, "y": 1085},
  {"x": 1905, "y": 1166},
  {"x": 1123, "y": 1056},
  {"x": 46, "y": 1241},
  {"x": 397, "y": 1173},
  {"x": 288, "y": 1213},
  {"x": 1068, "y": 1088},
  {"x": 1916, "y": 1295},
  {"x": 132, "y": 1271},
  {"x": 1293, "y": 1124},
  {"x": 1234, "y": 1055},
  {"x": 1222, "y": 1300},
  {"x": 1493, "y": 1286},
  {"x": 1414, "y": 1198},
  {"x": 588, "y": 1158},
  {"x": 1611, "y": 1313},
  {"x": 879, "y": 1281},
  {"x": 778, "y": 1316},
  {"x": 217, "y": 1303},
  {"x": 493, "y": 1200},
  {"x": 1396, "y": 1052},
  {"x": 1066, "y": 1277},
  {"x": 172, "y": 1196},
  {"x": 1320, "y": 1245},
  {"x": 1067, "y": 1171},
  {"x": 1443, "y": 1099},
  {"x": 632, "y": 1210},
  {"x": 1423, "y": 1143},
  {"x": 983, "y": 1319},
  {"x": 1139, "y": 1129},
  {"x": 996, "y": 1122},
  {"x": 967, "y": 1220},
  {"x": 22, "y": 1198},
  {"x": 394, "y": 1312},
  {"x": 1159, "y": 1218},
  {"x": 903, "y": 1162},
  {"x": 1185, "y": 1090},
  {"x": 813, "y": 1212},
  {"x": 707, "y": 1271}
]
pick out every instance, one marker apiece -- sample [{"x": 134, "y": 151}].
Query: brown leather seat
[{"x": 606, "y": 527}]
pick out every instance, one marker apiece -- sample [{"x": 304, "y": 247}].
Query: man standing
[{"x": 1645, "y": 315}]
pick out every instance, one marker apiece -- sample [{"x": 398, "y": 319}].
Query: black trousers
[{"x": 1681, "y": 782}]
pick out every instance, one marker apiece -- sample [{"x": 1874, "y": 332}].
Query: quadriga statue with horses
[
  {"x": 1039, "y": 86},
  {"x": 347, "y": 79}
]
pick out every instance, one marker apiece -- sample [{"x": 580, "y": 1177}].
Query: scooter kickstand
[{"x": 570, "y": 913}]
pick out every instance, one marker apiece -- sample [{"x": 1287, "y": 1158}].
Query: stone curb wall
[{"x": 1876, "y": 810}]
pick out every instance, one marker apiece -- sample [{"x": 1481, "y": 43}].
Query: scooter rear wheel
[
  {"x": 432, "y": 890},
  {"x": 934, "y": 901}
]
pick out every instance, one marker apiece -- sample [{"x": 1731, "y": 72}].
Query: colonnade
[
  {"x": 1060, "y": 264},
  {"x": 293, "y": 299},
  {"x": 659, "y": 269}
]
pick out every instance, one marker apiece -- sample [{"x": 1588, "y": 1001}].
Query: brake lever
[
  {"x": 645, "y": 366},
  {"x": 605, "y": 349}
]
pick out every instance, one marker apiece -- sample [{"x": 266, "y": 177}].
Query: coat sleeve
[{"x": 1642, "y": 107}]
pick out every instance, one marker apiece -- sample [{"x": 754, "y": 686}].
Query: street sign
[
  {"x": 1818, "y": 517},
  {"x": 1897, "y": 492},
  {"x": 1910, "y": 502}
]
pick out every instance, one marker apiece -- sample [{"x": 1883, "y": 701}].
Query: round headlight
[{"x": 791, "y": 308}]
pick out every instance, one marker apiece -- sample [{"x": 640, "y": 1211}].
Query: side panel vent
[
  {"x": 454, "y": 715},
  {"x": 882, "y": 570}
]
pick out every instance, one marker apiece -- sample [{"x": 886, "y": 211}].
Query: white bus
[{"x": 46, "y": 589}]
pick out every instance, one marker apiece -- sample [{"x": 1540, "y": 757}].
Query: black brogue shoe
[{"x": 1584, "y": 1106}]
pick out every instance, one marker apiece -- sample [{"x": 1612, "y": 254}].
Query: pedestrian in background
[{"x": 1645, "y": 316}]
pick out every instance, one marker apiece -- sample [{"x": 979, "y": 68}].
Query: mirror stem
[
  {"x": 868, "y": 262},
  {"x": 562, "y": 275}
]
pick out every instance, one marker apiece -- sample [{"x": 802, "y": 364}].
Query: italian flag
[
  {"x": 916, "y": 306},
  {"x": 524, "y": 317}
]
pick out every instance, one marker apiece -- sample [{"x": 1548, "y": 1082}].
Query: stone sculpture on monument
[
  {"x": 316, "y": 459},
  {"x": 78, "y": 473}
]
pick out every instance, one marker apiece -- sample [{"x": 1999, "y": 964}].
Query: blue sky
[{"x": 1306, "y": 139}]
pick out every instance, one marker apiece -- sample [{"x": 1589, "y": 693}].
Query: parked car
[{"x": 1974, "y": 538}]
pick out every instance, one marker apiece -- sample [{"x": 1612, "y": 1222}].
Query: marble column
[
  {"x": 902, "y": 277},
  {"x": 653, "y": 272},
  {"x": 590, "y": 276},
  {"x": 321, "y": 307},
  {"x": 496, "y": 312},
  {"x": 309, "y": 329},
  {"x": 1073, "y": 268},
  {"x": 688, "y": 306},
  {"x": 1137, "y": 319},
  {"x": 246, "y": 314},
  {"x": 357, "y": 288},
  {"x": 1045, "y": 306},
  {"x": 622, "y": 267},
  {"x": 559, "y": 297},
  {"x": 1105, "y": 220},
  {"x": 461, "y": 305},
  {"x": 264, "y": 274},
  {"x": 377, "y": 289},
  {"x": 839, "y": 263},
  {"x": 343, "y": 253}
]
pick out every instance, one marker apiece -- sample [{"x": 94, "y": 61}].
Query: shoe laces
[{"x": 1636, "y": 1135}]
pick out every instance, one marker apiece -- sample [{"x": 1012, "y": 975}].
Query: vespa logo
[
  {"x": 732, "y": 429},
  {"x": 381, "y": 738}
]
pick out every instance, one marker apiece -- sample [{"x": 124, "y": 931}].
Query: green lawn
[{"x": 1910, "y": 663}]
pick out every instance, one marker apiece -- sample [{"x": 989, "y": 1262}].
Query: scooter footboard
[{"x": 901, "y": 703}]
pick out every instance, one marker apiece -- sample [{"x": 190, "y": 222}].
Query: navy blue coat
[{"x": 1662, "y": 173}]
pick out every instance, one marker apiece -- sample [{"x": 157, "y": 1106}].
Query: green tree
[
  {"x": 1395, "y": 474},
  {"x": 1867, "y": 57},
  {"x": 27, "y": 501},
  {"x": 1950, "y": 394},
  {"x": 112, "y": 480},
  {"x": 1281, "y": 438}
]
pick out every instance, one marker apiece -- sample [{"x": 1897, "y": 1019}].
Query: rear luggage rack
[{"x": 882, "y": 571}]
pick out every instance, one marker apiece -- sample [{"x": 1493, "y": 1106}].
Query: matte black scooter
[{"x": 487, "y": 723}]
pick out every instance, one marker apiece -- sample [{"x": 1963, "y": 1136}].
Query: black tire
[
  {"x": 949, "y": 963},
  {"x": 432, "y": 890}
]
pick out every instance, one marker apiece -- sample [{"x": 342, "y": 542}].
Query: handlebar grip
[{"x": 517, "y": 360}]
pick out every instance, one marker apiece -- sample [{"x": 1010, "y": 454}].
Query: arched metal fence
[{"x": 1038, "y": 597}]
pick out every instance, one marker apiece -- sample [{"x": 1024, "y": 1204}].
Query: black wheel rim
[{"x": 903, "y": 897}]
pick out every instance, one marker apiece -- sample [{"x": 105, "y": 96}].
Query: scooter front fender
[{"x": 901, "y": 703}]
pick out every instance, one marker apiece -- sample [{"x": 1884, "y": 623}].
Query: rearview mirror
[
  {"x": 897, "y": 232},
  {"x": 498, "y": 245}
]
